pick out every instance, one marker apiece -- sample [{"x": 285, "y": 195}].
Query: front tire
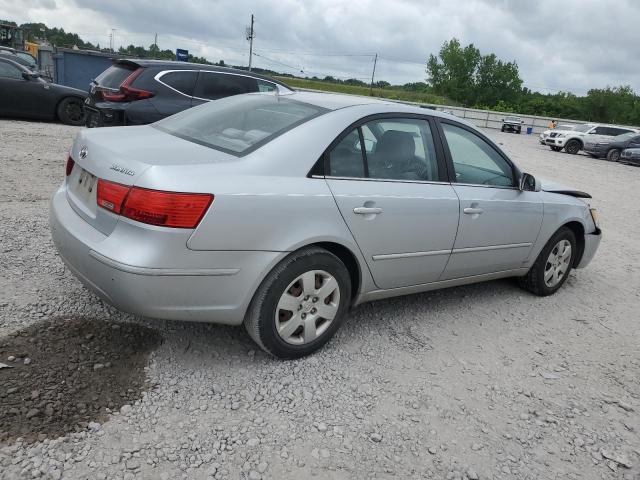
[
  {"x": 573, "y": 147},
  {"x": 300, "y": 304},
  {"x": 613, "y": 155},
  {"x": 552, "y": 267},
  {"x": 71, "y": 111}
]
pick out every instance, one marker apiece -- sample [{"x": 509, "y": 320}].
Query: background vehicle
[
  {"x": 25, "y": 94},
  {"x": 611, "y": 147},
  {"x": 281, "y": 211},
  {"x": 630, "y": 156},
  {"x": 573, "y": 140},
  {"x": 137, "y": 92},
  {"x": 512, "y": 124},
  {"x": 546, "y": 133},
  {"x": 23, "y": 58}
]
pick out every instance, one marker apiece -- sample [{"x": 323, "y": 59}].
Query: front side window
[
  {"x": 184, "y": 81},
  {"x": 238, "y": 125},
  {"x": 9, "y": 71},
  {"x": 474, "y": 160},
  {"x": 394, "y": 149},
  {"x": 213, "y": 85}
]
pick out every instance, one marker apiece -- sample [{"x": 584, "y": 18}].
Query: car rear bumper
[
  {"x": 591, "y": 244},
  {"x": 169, "y": 281}
]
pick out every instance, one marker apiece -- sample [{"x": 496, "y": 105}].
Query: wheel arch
[{"x": 578, "y": 230}]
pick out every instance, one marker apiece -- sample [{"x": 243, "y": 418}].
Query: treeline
[{"x": 464, "y": 75}]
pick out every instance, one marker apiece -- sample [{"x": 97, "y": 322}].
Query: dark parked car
[
  {"x": 611, "y": 147},
  {"x": 137, "y": 92},
  {"x": 512, "y": 124},
  {"x": 25, "y": 94},
  {"x": 630, "y": 156}
]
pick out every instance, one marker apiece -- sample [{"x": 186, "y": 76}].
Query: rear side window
[
  {"x": 212, "y": 85},
  {"x": 184, "y": 82},
  {"x": 264, "y": 86},
  {"x": 9, "y": 71},
  {"x": 239, "y": 125},
  {"x": 113, "y": 76}
]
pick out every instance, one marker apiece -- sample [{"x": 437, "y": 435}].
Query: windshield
[
  {"x": 583, "y": 128},
  {"x": 241, "y": 123}
]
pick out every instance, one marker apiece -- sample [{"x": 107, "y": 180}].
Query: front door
[
  {"x": 498, "y": 222},
  {"x": 390, "y": 194}
]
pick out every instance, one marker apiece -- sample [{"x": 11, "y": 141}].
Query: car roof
[{"x": 175, "y": 65}]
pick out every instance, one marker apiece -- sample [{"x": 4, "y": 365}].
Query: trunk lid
[{"x": 122, "y": 155}]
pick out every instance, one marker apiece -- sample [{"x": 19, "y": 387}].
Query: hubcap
[
  {"x": 558, "y": 263},
  {"x": 307, "y": 307}
]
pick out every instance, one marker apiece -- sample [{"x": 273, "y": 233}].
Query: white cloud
[{"x": 568, "y": 45}]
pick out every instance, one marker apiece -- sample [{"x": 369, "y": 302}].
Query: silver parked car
[{"x": 282, "y": 211}]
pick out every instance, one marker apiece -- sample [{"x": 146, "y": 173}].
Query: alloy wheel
[
  {"x": 307, "y": 307},
  {"x": 558, "y": 263}
]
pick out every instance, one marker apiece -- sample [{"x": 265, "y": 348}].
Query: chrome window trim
[
  {"x": 385, "y": 180},
  {"x": 159, "y": 75}
]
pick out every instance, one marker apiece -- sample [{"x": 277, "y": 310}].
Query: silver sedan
[{"x": 282, "y": 211}]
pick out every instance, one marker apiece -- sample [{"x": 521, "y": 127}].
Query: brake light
[
  {"x": 70, "y": 164},
  {"x": 154, "y": 207},
  {"x": 127, "y": 93},
  {"x": 166, "y": 209},
  {"x": 111, "y": 195}
]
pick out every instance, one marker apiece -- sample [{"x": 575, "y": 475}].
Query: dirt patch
[{"x": 66, "y": 372}]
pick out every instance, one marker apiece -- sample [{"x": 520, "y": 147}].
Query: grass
[{"x": 389, "y": 93}]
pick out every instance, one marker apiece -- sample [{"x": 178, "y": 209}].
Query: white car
[
  {"x": 546, "y": 133},
  {"x": 573, "y": 140}
]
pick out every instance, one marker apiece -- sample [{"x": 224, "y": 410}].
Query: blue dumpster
[{"x": 529, "y": 130}]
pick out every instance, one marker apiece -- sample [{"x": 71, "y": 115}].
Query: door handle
[
  {"x": 367, "y": 210},
  {"x": 473, "y": 211}
]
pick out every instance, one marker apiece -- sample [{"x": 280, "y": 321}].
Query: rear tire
[
  {"x": 552, "y": 267},
  {"x": 289, "y": 315},
  {"x": 71, "y": 111},
  {"x": 613, "y": 155},
  {"x": 572, "y": 147}
]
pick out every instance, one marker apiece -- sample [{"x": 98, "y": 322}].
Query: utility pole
[
  {"x": 250, "y": 36},
  {"x": 375, "y": 60}
]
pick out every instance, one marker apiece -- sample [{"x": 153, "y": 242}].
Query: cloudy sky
[{"x": 570, "y": 45}]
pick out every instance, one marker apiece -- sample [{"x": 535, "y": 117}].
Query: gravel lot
[{"x": 485, "y": 381}]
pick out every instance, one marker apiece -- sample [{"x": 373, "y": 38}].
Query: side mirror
[
  {"x": 528, "y": 183},
  {"x": 30, "y": 76}
]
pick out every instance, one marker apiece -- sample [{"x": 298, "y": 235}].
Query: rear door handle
[
  {"x": 367, "y": 210},
  {"x": 473, "y": 211}
]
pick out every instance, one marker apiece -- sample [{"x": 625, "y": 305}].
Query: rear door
[
  {"x": 177, "y": 94},
  {"x": 394, "y": 197},
  {"x": 498, "y": 222},
  {"x": 215, "y": 85}
]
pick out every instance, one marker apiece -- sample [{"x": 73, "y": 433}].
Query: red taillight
[
  {"x": 154, "y": 207},
  {"x": 127, "y": 93},
  {"x": 70, "y": 164},
  {"x": 111, "y": 195},
  {"x": 167, "y": 209}
]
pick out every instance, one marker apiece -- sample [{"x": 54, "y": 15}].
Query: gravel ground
[{"x": 484, "y": 381}]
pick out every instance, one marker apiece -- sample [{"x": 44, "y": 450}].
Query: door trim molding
[
  {"x": 393, "y": 256},
  {"x": 491, "y": 247}
]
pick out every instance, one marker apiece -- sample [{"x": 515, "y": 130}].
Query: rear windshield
[
  {"x": 113, "y": 76},
  {"x": 239, "y": 124}
]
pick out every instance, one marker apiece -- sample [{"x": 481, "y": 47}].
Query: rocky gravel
[{"x": 477, "y": 382}]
